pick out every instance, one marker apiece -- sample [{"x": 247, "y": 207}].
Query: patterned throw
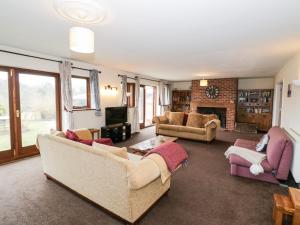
[{"x": 173, "y": 154}]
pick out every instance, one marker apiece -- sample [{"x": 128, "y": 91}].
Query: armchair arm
[
  {"x": 142, "y": 173},
  {"x": 211, "y": 129}
]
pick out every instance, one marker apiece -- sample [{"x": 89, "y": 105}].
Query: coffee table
[{"x": 147, "y": 145}]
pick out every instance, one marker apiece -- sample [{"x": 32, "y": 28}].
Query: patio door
[
  {"x": 147, "y": 105},
  {"x": 31, "y": 106},
  {"x": 6, "y": 135}
]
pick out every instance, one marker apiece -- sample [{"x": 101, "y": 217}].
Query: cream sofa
[
  {"x": 124, "y": 187},
  {"x": 198, "y": 126}
]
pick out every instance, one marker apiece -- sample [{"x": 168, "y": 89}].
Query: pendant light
[
  {"x": 84, "y": 12},
  {"x": 81, "y": 40},
  {"x": 203, "y": 82}
]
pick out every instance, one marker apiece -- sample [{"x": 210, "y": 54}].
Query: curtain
[
  {"x": 164, "y": 96},
  {"x": 136, "y": 120},
  {"x": 124, "y": 91},
  {"x": 66, "y": 86},
  {"x": 95, "y": 91}
]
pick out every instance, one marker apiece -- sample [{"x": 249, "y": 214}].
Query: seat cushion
[
  {"x": 195, "y": 130},
  {"x": 169, "y": 127},
  {"x": 234, "y": 159},
  {"x": 121, "y": 152},
  {"x": 195, "y": 120},
  {"x": 246, "y": 144},
  {"x": 176, "y": 118}
]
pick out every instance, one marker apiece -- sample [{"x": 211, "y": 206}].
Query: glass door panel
[
  {"x": 141, "y": 106},
  {"x": 149, "y": 106},
  {"x": 5, "y": 129},
  {"x": 37, "y": 106}
]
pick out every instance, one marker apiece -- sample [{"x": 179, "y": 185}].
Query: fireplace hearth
[{"x": 220, "y": 112}]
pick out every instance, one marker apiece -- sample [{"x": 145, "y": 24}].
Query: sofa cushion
[
  {"x": 195, "y": 130},
  {"x": 169, "y": 127},
  {"x": 276, "y": 145},
  {"x": 176, "y": 118},
  {"x": 246, "y": 144},
  {"x": 57, "y": 133},
  {"x": 234, "y": 159},
  {"x": 86, "y": 142},
  {"x": 83, "y": 133},
  {"x": 163, "y": 119},
  {"x": 71, "y": 135},
  {"x": 121, "y": 152},
  {"x": 195, "y": 120},
  {"x": 208, "y": 117}
]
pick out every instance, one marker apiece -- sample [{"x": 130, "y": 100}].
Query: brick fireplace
[{"x": 226, "y": 100}]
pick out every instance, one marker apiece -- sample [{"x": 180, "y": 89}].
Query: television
[{"x": 115, "y": 115}]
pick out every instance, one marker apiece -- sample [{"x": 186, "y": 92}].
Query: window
[
  {"x": 81, "y": 92},
  {"x": 131, "y": 94}
]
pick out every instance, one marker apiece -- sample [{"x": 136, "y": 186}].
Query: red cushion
[
  {"x": 87, "y": 142},
  {"x": 71, "y": 135},
  {"x": 185, "y": 119},
  {"x": 105, "y": 141}
]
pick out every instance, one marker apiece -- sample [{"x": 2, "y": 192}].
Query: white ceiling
[{"x": 168, "y": 39}]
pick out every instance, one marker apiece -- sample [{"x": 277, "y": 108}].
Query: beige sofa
[
  {"x": 198, "y": 126},
  {"x": 126, "y": 187}
]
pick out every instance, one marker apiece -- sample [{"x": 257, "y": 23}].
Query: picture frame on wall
[{"x": 289, "y": 92}]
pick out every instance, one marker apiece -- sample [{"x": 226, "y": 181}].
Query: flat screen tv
[{"x": 115, "y": 115}]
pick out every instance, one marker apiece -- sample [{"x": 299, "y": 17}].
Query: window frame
[{"x": 88, "y": 94}]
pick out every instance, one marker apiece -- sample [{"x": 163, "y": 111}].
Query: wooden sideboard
[{"x": 255, "y": 107}]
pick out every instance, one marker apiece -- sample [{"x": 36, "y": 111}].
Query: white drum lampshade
[
  {"x": 203, "y": 83},
  {"x": 81, "y": 40}
]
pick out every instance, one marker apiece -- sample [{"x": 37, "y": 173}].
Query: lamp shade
[
  {"x": 203, "y": 83},
  {"x": 81, "y": 40}
]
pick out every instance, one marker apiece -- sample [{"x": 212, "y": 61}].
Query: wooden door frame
[
  {"x": 9, "y": 154},
  {"x": 154, "y": 104},
  {"x": 15, "y": 122}
]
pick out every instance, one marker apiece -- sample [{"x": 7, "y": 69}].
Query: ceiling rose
[{"x": 80, "y": 11}]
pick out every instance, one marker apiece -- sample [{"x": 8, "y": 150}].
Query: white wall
[
  {"x": 290, "y": 114},
  {"x": 107, "y": 76},
  {"x": 256, "y": 83}
]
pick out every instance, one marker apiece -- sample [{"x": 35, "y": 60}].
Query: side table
[
  {"x": 295, "y": 197},
  {"x": 95, "y": 131}
]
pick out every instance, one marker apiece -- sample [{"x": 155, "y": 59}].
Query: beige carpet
[{"x": 202, "y": 194}]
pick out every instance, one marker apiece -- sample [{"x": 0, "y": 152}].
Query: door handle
[{"x": 18, "y": 113}]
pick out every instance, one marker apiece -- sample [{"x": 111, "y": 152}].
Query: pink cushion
[
  {"x": 246, "y": 144},
  {"x": 72, "y": 136},
  {"x": 105, "y": 141},
  {"x": 278, "y": 141},
  {"x": 87, "y": 142},
  {"x": 234, "y": 159}
]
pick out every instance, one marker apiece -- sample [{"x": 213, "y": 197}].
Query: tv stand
[{"x": 116, "y": 132}]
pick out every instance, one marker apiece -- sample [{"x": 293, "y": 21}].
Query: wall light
[{"x": 110, "y": 91}]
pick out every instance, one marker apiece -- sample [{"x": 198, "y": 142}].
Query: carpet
[{"x": 203, "y": 193}]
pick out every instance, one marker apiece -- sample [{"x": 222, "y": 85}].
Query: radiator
[{"x": 295, "y": 168}]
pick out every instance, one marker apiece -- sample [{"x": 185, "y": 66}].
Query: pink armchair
[{"x": 279, "y": 157}]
